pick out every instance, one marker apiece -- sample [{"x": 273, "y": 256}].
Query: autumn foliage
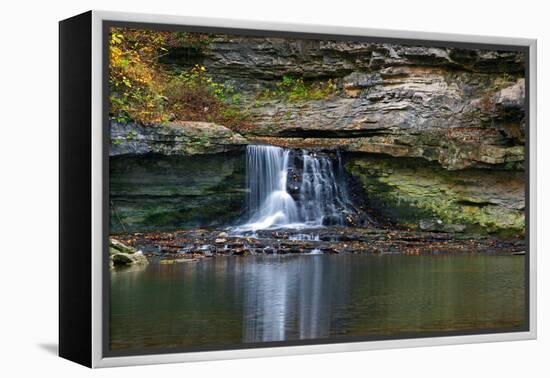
[
  {"x": 144, "y": 90},
  {"x": 135, "y": 77}
]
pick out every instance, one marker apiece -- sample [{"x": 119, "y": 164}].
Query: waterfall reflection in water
[
  {"x": 230, "y": 301},
  {"x": 292, "y": 300}
]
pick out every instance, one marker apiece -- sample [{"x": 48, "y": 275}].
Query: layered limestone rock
[
  {"x": 182, "y": 138},
  {"x": 417, "y": 113},
  {"x": 267, "y": 59},
  {"x": 459, "y": 107}
]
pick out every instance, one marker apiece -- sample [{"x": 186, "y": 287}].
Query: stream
[{"x": 238, "y": 300}]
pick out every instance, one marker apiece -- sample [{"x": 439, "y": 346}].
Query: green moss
[
  {"x": 166, "y": 193},
  {"x": 214, "y": 210},
  {"x": 408, "y": 191},
  {"x": 296, "y": 90}
]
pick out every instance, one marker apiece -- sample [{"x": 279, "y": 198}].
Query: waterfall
[
  {"x": 320, "y": 195},
  {"x": 269, "y": 204},
  {"x": 323, "y": 198}
]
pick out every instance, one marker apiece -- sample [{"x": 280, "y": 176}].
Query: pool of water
[{"x": 223, "y": 301}]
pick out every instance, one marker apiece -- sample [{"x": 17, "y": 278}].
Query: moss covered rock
[
  {"x": 116, "y": 246},
  {"x": 121, "y": 254},
  {"x": 423, "y": 195},
  {"x": 165, "y": 193}
]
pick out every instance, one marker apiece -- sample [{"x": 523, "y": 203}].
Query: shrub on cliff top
[
  {"x": 144, "y": 91},
  {"x": 194, "y": 96},
  {"x": 134, "y": 74}
]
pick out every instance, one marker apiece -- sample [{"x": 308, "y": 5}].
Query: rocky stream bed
[{"x": 190, "y": 245}]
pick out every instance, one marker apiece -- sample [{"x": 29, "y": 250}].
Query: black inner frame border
[{"x": 105, "y": 295}]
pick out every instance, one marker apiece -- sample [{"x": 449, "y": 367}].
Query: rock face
[
  {"x": 122, "y": 255},
  {"x": 183, "y": 138},
  {"x": 461, "y": 108},
  {"x": 418, "y": 113},
  {"x": 267, "y": 59},
  {"x": 434, "y": 137},
  {"x": 168, "y": 192},
  {"x": 421, "y": 195}
]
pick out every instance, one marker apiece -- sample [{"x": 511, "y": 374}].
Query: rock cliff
[
  {"x": 461, "y": 108},
  {"x": 406, "y": 116},
  {"x": 166, "y": 192}
]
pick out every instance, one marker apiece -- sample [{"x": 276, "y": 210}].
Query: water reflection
[
  {"x": 293, "y": 298},
  {"x": 234, "y": 300}
]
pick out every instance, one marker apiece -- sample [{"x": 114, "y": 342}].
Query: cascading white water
[
  {"x": 269, "y": 203},
  {"x": 321, "y": 198}
]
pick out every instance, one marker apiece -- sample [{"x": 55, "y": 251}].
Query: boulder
[
  {"x": 116, "y": 246},
  {"x": 129, "y": 258},
  {"x": 123, "y": 255}
]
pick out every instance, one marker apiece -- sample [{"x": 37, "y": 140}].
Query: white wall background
[{"x": 28, "y": 189}]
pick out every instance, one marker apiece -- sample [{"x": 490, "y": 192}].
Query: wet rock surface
[
  {"x": 185, "y": 246},
  {"x": 414, "y": 193},
  {"x": 155, "y": 192}
]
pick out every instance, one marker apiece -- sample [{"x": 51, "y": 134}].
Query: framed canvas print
[{"x": 238, "y": 189}]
